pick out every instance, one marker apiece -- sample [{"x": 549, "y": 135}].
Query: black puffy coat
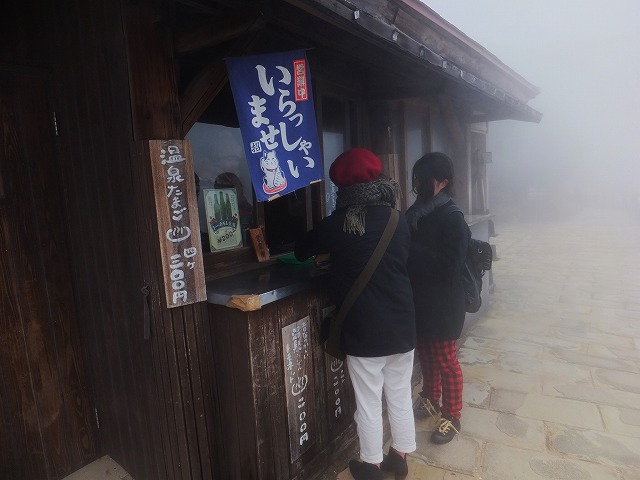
[
  {"x": 381, "y": 321},
  {"x": 436, "y": 260}
]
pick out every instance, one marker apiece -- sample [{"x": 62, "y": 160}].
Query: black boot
[
  {"x": 364, "y": 471},
  {"x": 396, "y": 464}
]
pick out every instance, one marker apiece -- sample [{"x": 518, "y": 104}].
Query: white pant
[{"x": 371, "y": 376}]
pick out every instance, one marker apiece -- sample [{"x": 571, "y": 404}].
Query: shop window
[
  {"x": 223, "y": 183},
  {"x": 224, "y": 188},
  {"x": 226, "y": 197},
  {"x": 338, "y": 131}
]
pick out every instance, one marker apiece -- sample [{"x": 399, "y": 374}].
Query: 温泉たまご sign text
[{"x": 177, "y": 214}]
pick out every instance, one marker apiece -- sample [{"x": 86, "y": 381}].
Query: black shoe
[
  {"x": 446, "y": 431},
  {"x": 425, "y": 408},
  {"x": 396, "y": 464},
  {"x": 364, "y": 471}
]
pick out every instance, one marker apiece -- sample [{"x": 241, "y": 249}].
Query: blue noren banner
[{"x": 274, "y": 102}]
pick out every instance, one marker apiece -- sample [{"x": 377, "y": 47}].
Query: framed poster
[{"x": 223, "y": 218}]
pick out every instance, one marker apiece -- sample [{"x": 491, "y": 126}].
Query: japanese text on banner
[{"x": 274, "y": 102}]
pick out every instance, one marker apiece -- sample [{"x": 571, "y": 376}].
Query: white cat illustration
[{"x": 274, "y": 179}]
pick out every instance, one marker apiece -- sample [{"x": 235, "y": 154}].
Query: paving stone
[
  {"x": 548, "y": 341},
  {"x": 102, "y": 468},
  {"x": 507, "y": 345},
  {"x": 623, "y": 421},
  {"x": 484, "y": 330},
  {"x": 459, "y": 455},
  {"x": 530, "y": 324},
  {"x": 598, "y": 447},
  {"x": 596, "y": 395},
  {"x": 476, "y": 394},
  {"x": 503, "y": 428},
  {"x": 629, "y": 474},
  {"x": 471, "y": 356},
  {"x": 418, "y": 470},
  {"x": 421, "y": 471},
  {"x": 619, "y": 313},
  {"x": 609, "y": 352},
  {"x": 522, "y": 364},
  {"x": 501, "y": 379},
  {"x": 508, "y": 463},
  {"x": 629, "y": 382},
  {"x": 632, "y": 306},
  {"x": 541, "y": 407},
  {"x": 603, "y": 338},
  {"x": 575, "y": 358}
]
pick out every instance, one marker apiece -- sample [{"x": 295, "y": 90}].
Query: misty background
[{"x": 584, "y": 56}]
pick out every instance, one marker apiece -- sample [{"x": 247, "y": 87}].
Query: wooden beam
[
  {"x": 153, "y": 85},
  {"x": 214, "y": 33},
  {"x": 201, "y": 92},
  {"x": 207, "y": 84},
  {"x": 205, "y": 6}
]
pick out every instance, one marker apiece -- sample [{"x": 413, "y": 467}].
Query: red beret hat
[{"x": 357, "y": 165}]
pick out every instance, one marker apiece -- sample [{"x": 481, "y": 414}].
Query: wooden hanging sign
[{"x": 178, "y": 225}]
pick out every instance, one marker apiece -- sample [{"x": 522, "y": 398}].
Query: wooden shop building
[{"x": 125, "y": 333}]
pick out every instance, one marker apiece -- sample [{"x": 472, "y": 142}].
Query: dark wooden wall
[
  {"x": 148, "y": 386},
  {"x": 152, "y": 394},
  {"x": 45, "y": 415},
  {"x": 91, "y": 82}
]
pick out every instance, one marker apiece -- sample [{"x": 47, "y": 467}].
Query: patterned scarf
[
  {"x": 356, "y": 198},
  {"x": 423, "y": 207}
]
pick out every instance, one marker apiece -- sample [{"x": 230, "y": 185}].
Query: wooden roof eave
[
  {"x": 492, "y": 102},
  {"x": 345, "y": 15},
  {"x": 420, "y": 21}
]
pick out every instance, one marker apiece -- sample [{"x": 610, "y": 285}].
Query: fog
[{"x": 584, "y": 56}]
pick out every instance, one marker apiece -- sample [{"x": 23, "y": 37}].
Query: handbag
[{"x": 332, "y": 343}]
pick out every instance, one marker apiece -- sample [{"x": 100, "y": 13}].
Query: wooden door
[{"x": 45, "y": 416}]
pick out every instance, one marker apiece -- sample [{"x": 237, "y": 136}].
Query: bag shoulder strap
[{"x": 370, "y": 267}]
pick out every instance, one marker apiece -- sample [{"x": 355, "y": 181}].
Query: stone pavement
[{"x": 552, "y": 368}]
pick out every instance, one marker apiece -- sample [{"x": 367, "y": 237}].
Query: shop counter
[{"x": 284, "y": 407}]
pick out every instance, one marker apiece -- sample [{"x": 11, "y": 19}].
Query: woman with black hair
[{"x": 439, "y": 242}]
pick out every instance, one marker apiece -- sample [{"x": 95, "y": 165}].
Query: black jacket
[
  {"x": 436, "y": 259},
  {"x": 381, "y": 321}
]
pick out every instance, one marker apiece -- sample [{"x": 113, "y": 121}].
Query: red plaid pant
[{"x": 441, "y": 375}]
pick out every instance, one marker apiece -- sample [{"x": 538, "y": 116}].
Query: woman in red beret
[
  {"x": 439, "y": 236},
  {"x": 378, "y": 332}
]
